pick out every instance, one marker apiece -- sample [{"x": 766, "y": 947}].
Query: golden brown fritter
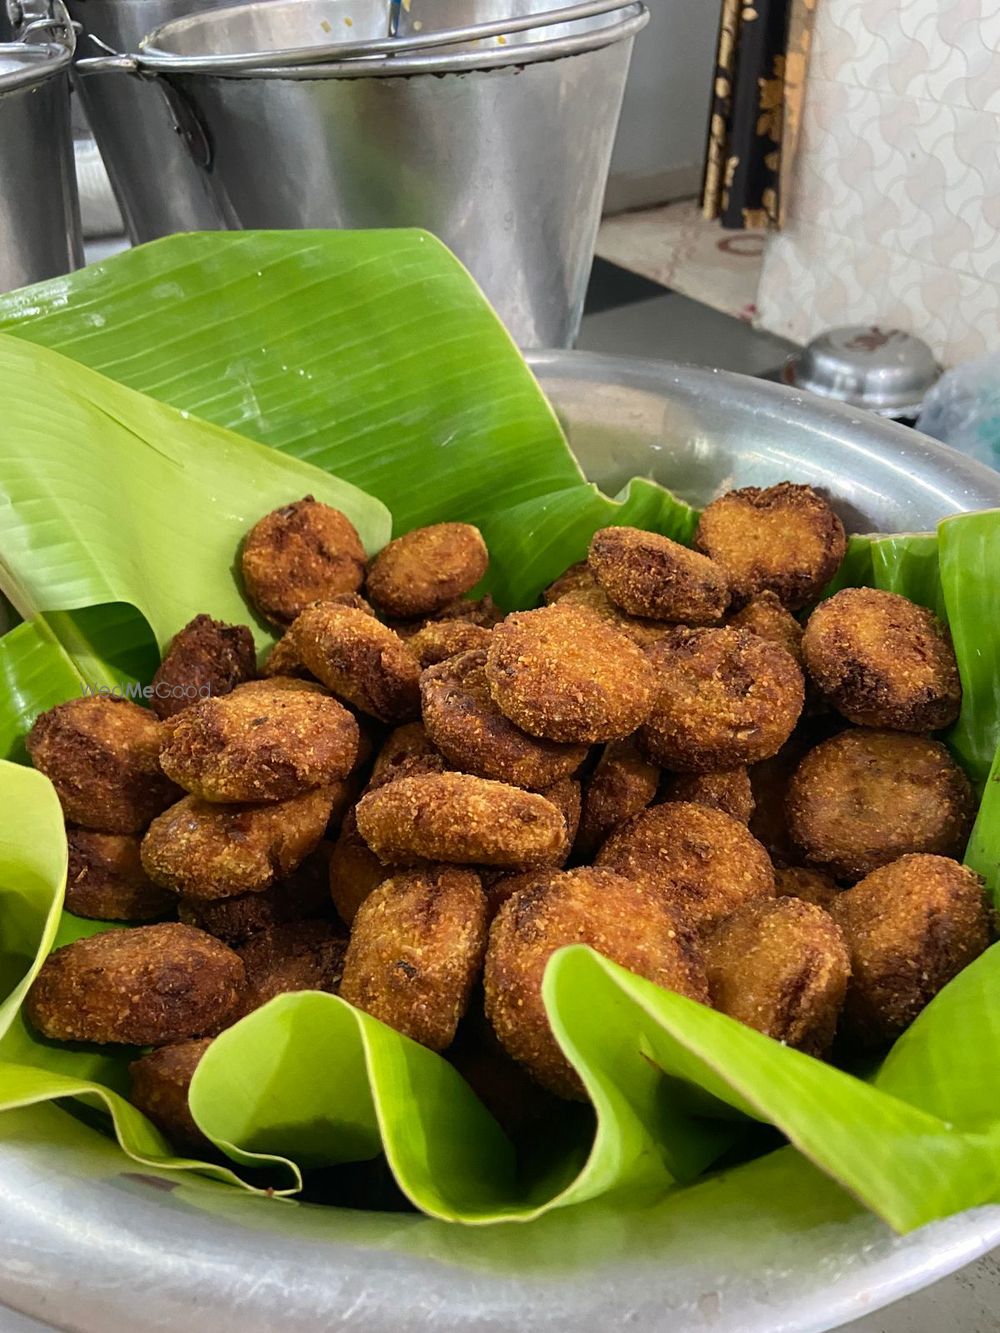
[
  {"x": 704, "y": 864},
  {"x": 206, "y": 659},
  {"x": 812, "y": 886},
  {"x": 864, "y": 798},
  {"x": 102, "y": 755},
  {"x": 202, "y": 850},
  {"x": 105, "y": 879},
  {"x": 355, "y": 870},
  {"x": 282, "y": 663},
  {"x": 298, "y": 955},
  {"x": 422, "y": 571},
  {"x": 910, "y": 927},
  {"x": 303, "y": 895},
  {"x": 260, "y": 745},
  {"x": 566, "y": 796},
  {"x": 765, "y": 616},
  {"x": 417, "y": 950},
  {"x": 785, "y": 539},
  {"x": 566, "y": 675},
  {"x": 623, "y": 920},
  {"x": 459, "y": 818},
  {"x": 649, "y": 575},
  {"x": 769, "y": 783},
  {"x": 440, "y": 639},
  {"x": 468, "y": 728},
  {"x": 575, "y": 579},
  {"x": 725, "y": 698},
  {"x": 499, "y": 887},
  {"x": 144, "y": 986},
  {"x": 726, "y": 789},
  {"x": 623, "y": 783},
  {"x": 642, "y": 632},
  {"x": 481, "y": 611},
  {"x": 161, "y": 1082},
  {"x": 300, "y": 554},
  {"x": 781, "y": 966},
  {"x": 407, "y": 750},
  {"x": 883, "y": 661},
  {"x": 359, "y": 659}
]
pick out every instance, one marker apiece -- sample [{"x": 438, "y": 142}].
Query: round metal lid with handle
[{"x": 886, "y": 371}]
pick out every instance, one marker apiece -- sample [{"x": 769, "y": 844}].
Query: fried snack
[
  {"x": 883, "y": 661},
  {"x": 622, "y": 784},
  {"x": 282, "y": 663},
  {"x": 440, "y": 639},
  {"x": 865, "y": 798},
  {"x": 785, "y": 539},
  {"x": 407, "y": 750},
  {"x": 481, "y": 611},
  {"x": 498, "y": 888},
  {"x": 145, "y": 986},
  {"x": 769, "y": 784},
  {"x": 812, "y": 886},
  {"x": 260, "y": 745},
  {"x": 781, "y": 966},
  {"x": 105, "y": 879},
  {"x": 422, "y": 571},
  {"x": 624, "y": 920},
  {"x": 458, "y": 818},
  {"x": 300, "y": 684},
  {"x": 102, "y": 755},
  {"x": 726, "y": 789},
  {"x": 649, "y": 575},
  {"x": 473, "y": 735},
  {"x": 566, "y": 796},
  {"x": 577, "y": 578},
  {"x": 300, "y": 554},
  {"x": 161, "y": 1082},
  {"x": 910, "y": 927},
  {"x": 641, "y": 632},
  {"x": 359, "y": 659},
  {"x": 355, "y": 870},
  {"x": 725, "y": 698},
  {"x": 206, "y": 659},
  {"x": 416, "y": 951},
  {"x": 303, "y": 895},
  {"x": 298, "y": 955},
  {"x": 564, "y": 674},
  {"x": 704, "y": 864},
  {"x": 764, "y": 616},
  {"x": 202, "y": 850}
]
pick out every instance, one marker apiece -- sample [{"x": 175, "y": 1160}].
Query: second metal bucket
[{"x": 500, "y": 147}]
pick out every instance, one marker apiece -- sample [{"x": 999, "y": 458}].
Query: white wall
[
  {"x": 661, "y": 139},
  {"x": 894, "y": 214}
]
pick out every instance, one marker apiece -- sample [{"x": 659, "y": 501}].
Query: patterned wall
[{"x": 894, "y": 211}]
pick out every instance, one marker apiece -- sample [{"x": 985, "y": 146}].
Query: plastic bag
[{"x": 963, "y": 410}]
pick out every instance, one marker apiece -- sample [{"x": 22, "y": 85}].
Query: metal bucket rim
[
  {"x": 634, "y": 17},
  {"x": 41, "y": 61}
]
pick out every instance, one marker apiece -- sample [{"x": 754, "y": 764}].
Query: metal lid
[
  {"x": 882, "y": 370},
  {"x": 22, "y": 64}
]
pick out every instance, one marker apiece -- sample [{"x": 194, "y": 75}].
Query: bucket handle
[
  {"x": 151, "y": 57},
  {"x": 183, "y": 115},
  {"x": 47, "y": 18}
]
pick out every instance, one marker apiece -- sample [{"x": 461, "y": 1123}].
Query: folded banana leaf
[{"x": 375, "y": 358}]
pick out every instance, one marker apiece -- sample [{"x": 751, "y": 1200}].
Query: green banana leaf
[{"x": 430, "y": 409}]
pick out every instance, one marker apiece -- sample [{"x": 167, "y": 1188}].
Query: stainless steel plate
[{"x": 93, "y": 1243}]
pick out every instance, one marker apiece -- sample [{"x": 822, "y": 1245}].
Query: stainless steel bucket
[
  {"x": 499, "y": 145},
  {"x": 40, "y": 233},
  {"x": 95, "y": 1243},
  {"x": 159, "y": 188}
]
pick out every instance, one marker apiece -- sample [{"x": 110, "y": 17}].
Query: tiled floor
[{"x": 677, "y": 247}]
